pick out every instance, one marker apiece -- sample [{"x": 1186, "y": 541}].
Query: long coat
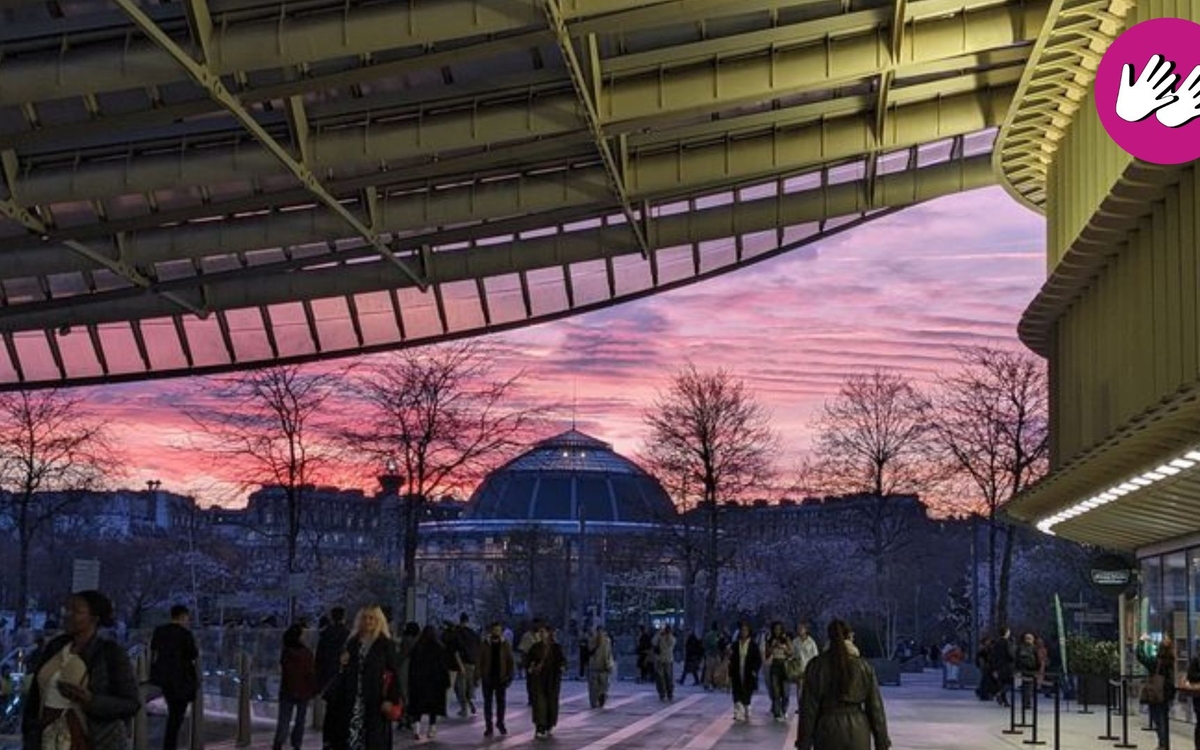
[
  {"x": 380, "y": 659},
  {"x": 428, "y": 679},
  {"x": 546, "y": 664},
  {"x": 173, "y": 655},
  {"x": 847, "y": 722},
  {"x": 743, "y": 678},
  {"x": 115, "y": 697}
]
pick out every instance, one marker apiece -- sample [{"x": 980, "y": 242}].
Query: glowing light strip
[{"x": 1133, "y": 484}]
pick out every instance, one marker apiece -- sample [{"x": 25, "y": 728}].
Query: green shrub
[{"x": 1087, "y": 656}]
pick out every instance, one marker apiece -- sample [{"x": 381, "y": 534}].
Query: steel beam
[
  {"x": 584, "y": 86},
  {"x": 245, "y": 288},
  {"x": 656, "y": 174},
  {"x": 213, "y": 85}
]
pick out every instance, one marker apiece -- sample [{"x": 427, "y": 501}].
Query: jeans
[
  {"x": 497, "y": 693},
  {"x": 464, "y": 688},
  {"x": 1160, "y": 718},
  {"x": 286, "y": 706},
  {"x": 176, "y": 708},
  {"x": 664, "y": 673},
  {"x": 777, "y": 687}
]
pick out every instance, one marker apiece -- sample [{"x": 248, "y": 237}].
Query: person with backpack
[
  {"x": 83, "y": 693},
  {"x": 1026, "y": 662},
  {"x": 173, "y": 655}
]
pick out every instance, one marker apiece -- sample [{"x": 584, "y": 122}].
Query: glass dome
[{"x": 570, "y": 476}]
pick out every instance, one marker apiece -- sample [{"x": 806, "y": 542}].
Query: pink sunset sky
[{"x": 899, "y": 293}]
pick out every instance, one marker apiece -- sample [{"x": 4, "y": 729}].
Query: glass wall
[{"x": 1169, "y": 605}]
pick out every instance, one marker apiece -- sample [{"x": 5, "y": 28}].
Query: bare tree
[
  {"x": 272, "y": 427},
  {"x": 992, "y": 424},
  {"x": 710, "y": 444},
  {"x": 445, "y": 417},
  {"x": 51, "y": 448},
  {"x": 876, "y": 440}
]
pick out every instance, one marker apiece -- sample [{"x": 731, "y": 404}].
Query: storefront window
[
  {"x": 1175, "y": 603},
  {"x": 1150, "y": 621}
]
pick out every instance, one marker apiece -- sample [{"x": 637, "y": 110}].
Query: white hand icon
[
  {"x": 1186, "y": 106},
  {"x": 1138, "y": 99}
]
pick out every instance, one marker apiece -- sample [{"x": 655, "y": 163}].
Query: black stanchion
[
  {"x": 1083, "y": 698},
  {"x": 1028, "y": 684},
  {"x": 1124, "y": 743},
  {"x": 1012, "y": 710},
  {"x": 1058, "y": 690},
  {"x": 1024, "y": 703},
  {"x": 1110, "y": 697}
]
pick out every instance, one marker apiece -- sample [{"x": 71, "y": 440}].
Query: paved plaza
[{"x": 922, "y": 716}]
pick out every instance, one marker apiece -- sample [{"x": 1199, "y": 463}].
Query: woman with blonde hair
[{"x": 370, "y": 688}]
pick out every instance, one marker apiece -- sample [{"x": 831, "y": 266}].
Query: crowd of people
[{"x": 372, "y": 684}]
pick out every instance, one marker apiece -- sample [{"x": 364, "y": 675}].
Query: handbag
[
  {"x": 794, "y": 667},
  {"x": 397, "y": 712},
  {"x": 1154, "y": 690}
]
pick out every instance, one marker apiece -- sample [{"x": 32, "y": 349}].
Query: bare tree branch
[{"x": 51, "y": 449}]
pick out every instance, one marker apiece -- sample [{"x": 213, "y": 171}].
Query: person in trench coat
[{"x": 842, "y": 706}]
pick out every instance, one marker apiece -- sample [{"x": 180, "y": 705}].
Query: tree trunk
[
  {"x": 712, "y": 562},
  {"x": 412, "y": 517},
  {"x": 1005, "y": 577},
  {"x": 993, "y": 529},
  {"x": 23, "y": 533},
  {"x": 293, "y": 535}
]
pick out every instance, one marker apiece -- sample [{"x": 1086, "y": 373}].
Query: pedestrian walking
[
  {"x": 693, "y": 659},
  {"x": 601, "y": 664},
  {"x": 1001, "y": 662},
  {"x": 529, "y": 639},
  {"x": 368, "y": 687},
  {"x": 467, "y": 644},
  {"x": 1026, "y": 662},
  {"x": 842, "y": 706},
  {"x": 412, "y": 631},
  {"x": 804, "y": 650},
  {"x": 331, "y": 644},
  {"x": 83, "y": 692},
  {"x": 297, "y": 686},
  {"x": 496, "y": 669},
  {"x": 745, "y": 660},
  {"x": 546, "y": 665},
  {"x": 664, "y": 663},
  {"x": 645, "y": 656},
  {"x": 779, "y": 650},
  {"x": 428, "y": 682},
  {"x": 713, "y": 653},
  {"x": 1193, "y": 688},
  {"x": 173, "y": 655}
]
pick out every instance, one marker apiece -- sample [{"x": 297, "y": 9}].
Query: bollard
[
  {"x": 1034, "y": 707},
  {"x": 196, "y": 725},
  {"x": 1012, "y": 710},
  {"x": 243, "y": 726},
  {"x": 1110, "y": 697},
  {"x": 140, "y": 728},
  {"x": 1124, "y": 743},
  {"x": 1024, "y": 704}
]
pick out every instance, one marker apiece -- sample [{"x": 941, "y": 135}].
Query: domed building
[
  {"x": 571, "y": 476},
  {"x": 552, "y": 532}
]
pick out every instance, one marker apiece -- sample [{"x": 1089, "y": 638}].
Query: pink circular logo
[{"x": 1148, "y": 91}]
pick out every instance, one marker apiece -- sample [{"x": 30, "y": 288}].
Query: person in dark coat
[
  {"x": 745, "y": 660},
  {"x": 546, "y": 665},
  {"x": 693, "y": 659},
  {"x": 645, "y": 661},
  {"x": 1162, "y": 665},
  {"x": 331, "y": 644},
  {"x": 428, "y": 681},
  {"x": 368, "y": 685},
  {"x": 173, "y": 655},
  {"x": 83, "y": 692},
  {"x": 842, "y": 706},
  {"x": 297, "y": 686},
  {"x": 496, "y": 669},
  {"x": 1193, "y": 685},
  {"x": 1001, "y": 660},
  {"x": 412, "y": 632}
]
